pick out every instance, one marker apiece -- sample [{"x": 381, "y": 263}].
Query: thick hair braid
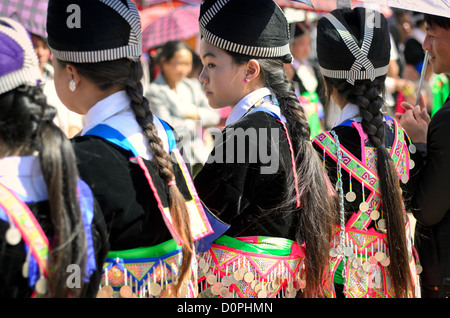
[
  {"x": 178, "y": 210},
  {"x": 126, "y": 74},
  {"x": 316, "y": 215},
  {"x": 366, "y": 95},
  {"x": 33, "y": 120}
]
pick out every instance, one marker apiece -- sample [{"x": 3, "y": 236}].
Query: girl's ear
[
  {"x": 73, "y": 73},
  {"x": 252, "y": 70}
]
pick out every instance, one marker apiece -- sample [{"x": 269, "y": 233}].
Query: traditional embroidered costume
[
  {"x": 249, "y": 171},
  {"x": 145, "y": 253},
  {"x": 359, "y": 251},
  {"x": 259, "y": 241}
]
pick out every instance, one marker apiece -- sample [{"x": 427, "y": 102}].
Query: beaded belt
[
  {"x": 149, "y": 272},
  {"x": 251, "y": 267}
]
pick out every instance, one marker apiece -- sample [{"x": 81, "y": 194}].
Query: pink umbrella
[
  {"x": 180, "y": 24},
  {"x": 148, "y": 15},
  {"x": 31, "y": 13}
]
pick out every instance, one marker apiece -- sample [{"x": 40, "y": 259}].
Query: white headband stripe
[
  {"x": 354, "y": 75},
  {"x": 262, "y": 52}
]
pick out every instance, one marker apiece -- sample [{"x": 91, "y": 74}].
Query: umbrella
[
  {"x": 314, "y": 5},
  {"x": 148, "y": 15},
  {"x": 434, "y": 7},
  {"x": 180, "y": 24},
  {"x": 31, "y": 13},
  {"x": 149, "y": 3}
]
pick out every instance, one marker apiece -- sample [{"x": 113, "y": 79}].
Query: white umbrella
[{"x": 434, "y": 7}]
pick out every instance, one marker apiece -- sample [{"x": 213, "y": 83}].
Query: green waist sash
[{"x": 146, "y": 252}]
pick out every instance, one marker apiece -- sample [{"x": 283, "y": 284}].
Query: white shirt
[
  {"x": 248, "y": 101},
  {"x": 350, "y": 111},
  {"x": 115, "y": 112},
  {"x": 23, "y": 175}
]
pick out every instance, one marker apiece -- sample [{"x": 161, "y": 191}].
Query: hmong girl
[
  {"x": 367, "y": 156},
  {"x": 263, "y": 176},
  {"x": 127, "y": 155}
]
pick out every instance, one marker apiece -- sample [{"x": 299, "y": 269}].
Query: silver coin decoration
[
  {"x": 13, "y": 236},
  {"x": 364, "y": 206},
  {"x": 41, "y": 285},
  {"x": 350, "y": 196}
]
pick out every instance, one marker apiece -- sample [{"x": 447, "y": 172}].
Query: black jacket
[
  {"x": 131, "y": 212},
  {"x": 233, "y": 186},
  {"x": 431, "y": 201}
]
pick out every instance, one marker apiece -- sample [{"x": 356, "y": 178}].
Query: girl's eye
[{"x": 210, "y": 65}]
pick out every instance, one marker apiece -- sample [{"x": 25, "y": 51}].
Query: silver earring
[{"x": 72, "y": 85}]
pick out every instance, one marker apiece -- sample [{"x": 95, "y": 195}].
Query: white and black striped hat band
[
  {"x": 256, "y": 28},
  {"x": 20, "y": 65},
  {"x": 91, "y": 31},
  {"x": 339, "y": 53}
]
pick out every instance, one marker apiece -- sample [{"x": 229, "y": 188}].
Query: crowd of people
[{"x": 288, "y": 164}]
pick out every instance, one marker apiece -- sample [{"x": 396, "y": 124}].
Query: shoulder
[
  {"x": 347, "y": 136},
  {"x": 443, "y": 113},
  {"x": 256, "y": 120},
  {"x": 439, "y": 124},
  {"x": 97, "y": 148}
]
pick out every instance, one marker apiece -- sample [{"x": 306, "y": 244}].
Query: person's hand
[{"x": 415, "y": 120}]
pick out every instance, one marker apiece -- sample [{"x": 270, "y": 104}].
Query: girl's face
[{"x": 223, "y": 80}]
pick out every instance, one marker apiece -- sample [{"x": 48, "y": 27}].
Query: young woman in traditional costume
[
  {"x": 52, "y": 236},
  {"x": 127, "y": 155},
  {"x": 367, "y": 156},
  {"x": 263, "y": 176}
]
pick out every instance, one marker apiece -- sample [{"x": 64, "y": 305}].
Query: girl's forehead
[{"x": 207, "y": 49}]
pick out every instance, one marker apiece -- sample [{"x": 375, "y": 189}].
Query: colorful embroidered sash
[
  {"x": 31, "y": 231},
  {"x": 362, "y": 172},
  {"x": 251, "y": 267},
  {"x": 149, "y": 272}
]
